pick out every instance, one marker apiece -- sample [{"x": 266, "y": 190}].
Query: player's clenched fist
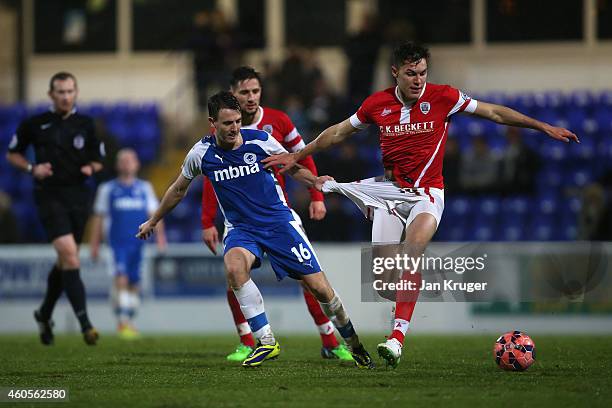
[
  {"x": 145, "y": 230},
  {"x": 319, "y": 181},
  {"x": 42, "y": 171}
]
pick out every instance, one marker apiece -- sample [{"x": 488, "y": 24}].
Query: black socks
[
  {"x": 75, "y": 290},
  {"x": 54, "y": 291}
]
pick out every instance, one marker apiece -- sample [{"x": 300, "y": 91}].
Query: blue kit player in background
[
  {"x": 121, "y": 206},
  {"x": 258, "y": 221}
]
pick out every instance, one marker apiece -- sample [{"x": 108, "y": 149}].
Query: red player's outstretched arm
[
  {"x": 506, "y": 116},
  {"x": 329, "y": 137}
]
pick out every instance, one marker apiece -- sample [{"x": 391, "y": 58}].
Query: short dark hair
[
  {"x": 222, "y": 100},
  {"x": 242, "y": 74},
  {"x": 409, "y": 52},
  {"x": 61, "y": 76}
]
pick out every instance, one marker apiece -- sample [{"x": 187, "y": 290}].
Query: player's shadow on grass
[
  {"x": 173, "y": 355},
  {"x": 167, "y": 359},
  {"x": 320, "y": 363}
]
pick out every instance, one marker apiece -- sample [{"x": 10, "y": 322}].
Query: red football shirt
[
  {"x": 279, "y": 125},
  {"x": 412, "y": 136}
]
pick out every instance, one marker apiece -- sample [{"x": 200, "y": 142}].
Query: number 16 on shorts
[{"x": 303, "y": 254}]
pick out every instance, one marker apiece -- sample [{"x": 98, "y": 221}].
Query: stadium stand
[
  {"x": 548, "y": 214},
  {"x": 136, "y": 126}
]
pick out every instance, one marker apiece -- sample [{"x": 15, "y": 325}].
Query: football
[{"x": 514, "y": 351}]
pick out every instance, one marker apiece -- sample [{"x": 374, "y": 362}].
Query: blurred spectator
[
  {"x": 452, "y": 166},
  {"x": 325, "y": 108},
  {"x": 348, "y": 167},
  {"x": 342, "y": 163},
  {"x": 595, "y": 217},
  {"x": 9, "y": 231},
  {"x": 290, "y": 74},
  {"x": 294, "y": 107},
  {"x": 362, "y": 52},
  {"x": 298, "y": 74},
  {"x": 271, "y": 92},
  {"x": 519, "y": 165},
  {"x": 478, "y": 171},
  {"x": 111, "y": 147},
  {"x": 213, "y": 44},
  {"x": 399, "y": 30}
]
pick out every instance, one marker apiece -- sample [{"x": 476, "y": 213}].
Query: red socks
[
  {"x": 326, "y": 328},
  {"x": 242, "y": 326},
  {"x": 405, "y": 301}
]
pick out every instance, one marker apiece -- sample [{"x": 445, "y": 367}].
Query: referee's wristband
[{"x": 30, "y": 168}]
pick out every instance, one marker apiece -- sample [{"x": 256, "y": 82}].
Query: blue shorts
[
  {"x": 127, "y": 261},
  {"x": 287, "y": 246}
]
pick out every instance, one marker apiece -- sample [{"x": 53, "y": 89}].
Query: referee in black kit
[{"x": 67, "y": 152}]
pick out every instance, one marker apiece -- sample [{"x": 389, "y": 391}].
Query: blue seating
[
  {"x": 551, "y": 149},
  {"x": 515, "y": 206},
  {"x": 488, "y": 208},
  {"x": 549, "y": 215},
  {"x": 543, "y": 230},
  {"x": 546, "y": 205},
  {"x": 460, "y": 206},
  {"x": 580, "y": 99},
  {"x": 97, "y": 110},
  {"x": 579, "y": 177},
  {"x": 513, "y": 218},
  {"x": 174, "y": 233},
  {"x": 585, "y": 150},
  {"x": 605, "y": 98},
  {"x": 554, "y": 100},
  {"x": 136, "y": 126},
  {"x": 512, "y": 230},
  {"x": 483, "y": 230}
]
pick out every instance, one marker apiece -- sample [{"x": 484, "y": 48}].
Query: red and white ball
[{"x": 514, "y": 351}]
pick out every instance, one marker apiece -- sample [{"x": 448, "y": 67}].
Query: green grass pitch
[{"x": 191, "y": 371}]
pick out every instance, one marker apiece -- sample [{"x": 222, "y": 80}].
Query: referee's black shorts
[{"x": 63, "y": 210}]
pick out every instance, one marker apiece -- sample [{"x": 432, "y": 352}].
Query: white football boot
[{"x": 390, "y": 351}]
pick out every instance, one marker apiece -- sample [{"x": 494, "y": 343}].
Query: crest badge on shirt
[
  {"x": 78, "y": 142},
  {"x": 250, "y": 158},
  {"x": 268, "y": 128},
  {"x": 425, "y": 107}
]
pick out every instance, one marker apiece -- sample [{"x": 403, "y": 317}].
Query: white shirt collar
[{"x": 398, "y": 95}]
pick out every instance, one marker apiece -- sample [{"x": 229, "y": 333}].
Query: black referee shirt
[{"x": 68, "y": 144}]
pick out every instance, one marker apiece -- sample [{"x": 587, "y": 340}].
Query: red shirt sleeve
[
  {"x": 308, "y": 162},
  {"x": 209, "y": 204},
  {"x": 455, "y": 100},
  {"x": 364, "y": 113},
  {"x": 291, "y": 139}
]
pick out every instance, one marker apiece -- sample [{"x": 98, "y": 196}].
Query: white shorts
[{"x": 390, "y": 207}]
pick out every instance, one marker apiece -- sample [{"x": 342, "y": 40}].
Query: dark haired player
[
  {"x": 407, "y": 203},
  {"x": 258, "y": 221},
  {"x": 246, "y": 86}
]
